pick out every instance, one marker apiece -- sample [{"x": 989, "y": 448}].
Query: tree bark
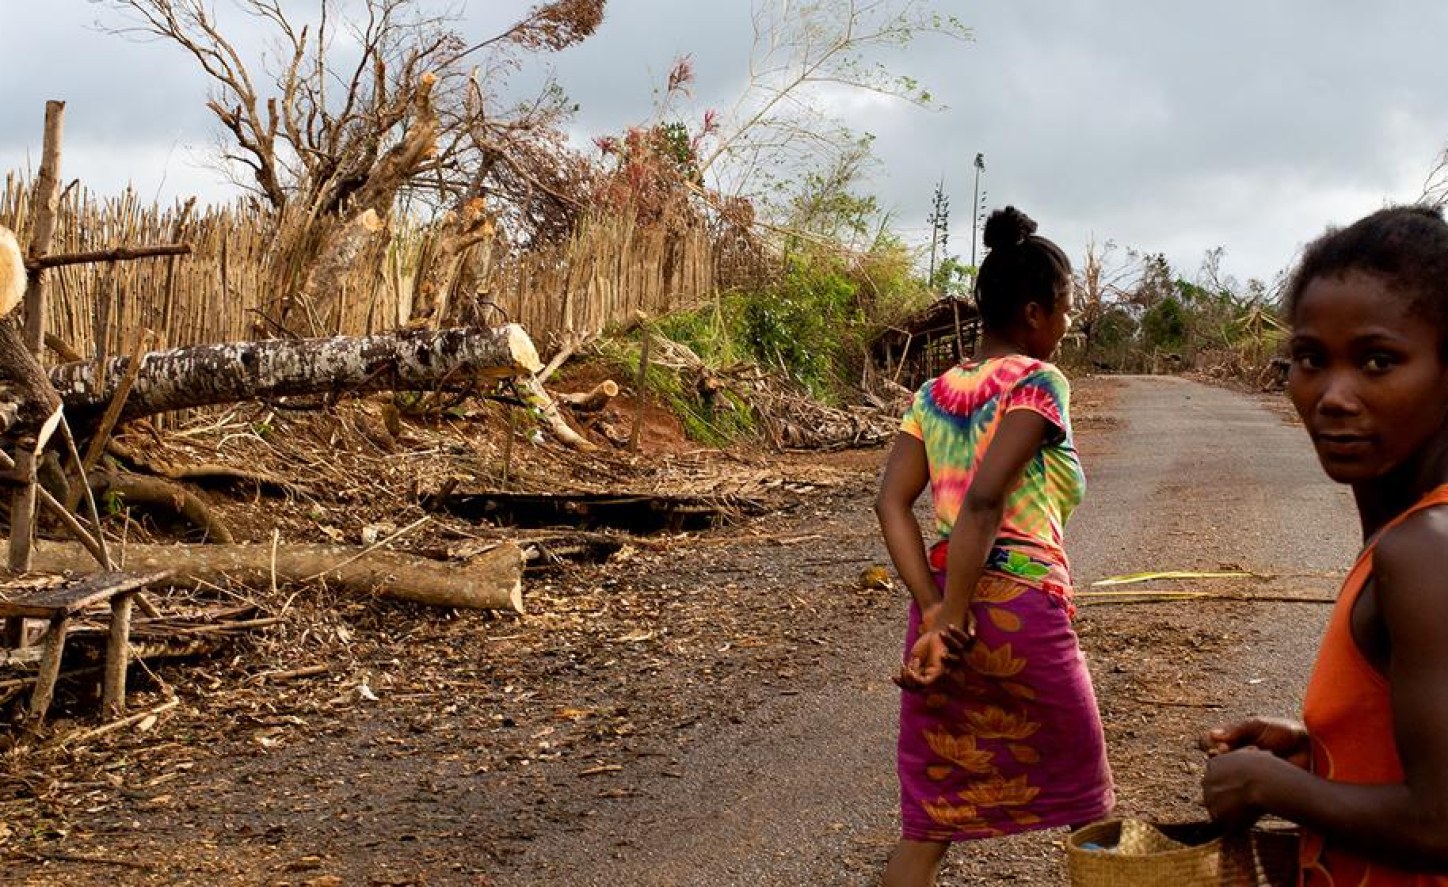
[
  {"x": 332, "y": 266},
  {"x": 44, "y": 205},
  {"x": 460, "y": 230},
  {"x": 134, "y": 490},
  {"x": 119, "y": 254},
  {"x": 182, "y": 378},
  {"x": 492, "y": 580}
]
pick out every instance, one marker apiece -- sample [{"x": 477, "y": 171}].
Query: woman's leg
[{"x": 914, "y": 863}]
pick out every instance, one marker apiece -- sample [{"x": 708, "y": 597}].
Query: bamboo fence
[{"x": 226, "y": 288}]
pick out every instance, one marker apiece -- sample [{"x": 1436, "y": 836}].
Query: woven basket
[{"x": 1180, "y": 855}]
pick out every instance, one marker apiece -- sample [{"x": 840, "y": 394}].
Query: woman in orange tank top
[{"x": 1366, "y": 771}]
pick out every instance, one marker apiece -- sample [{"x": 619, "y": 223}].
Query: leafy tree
[
  {"x": 1155, "y": 284},
  {"x": 953, "y": 278},
  {"x": 827, "y": 207},
  {"x": 1116, "y": 330},
  {"x": 1165, "y": 325}
]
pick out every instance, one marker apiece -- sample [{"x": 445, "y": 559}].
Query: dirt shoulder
[{"x": 703, "y": 708}]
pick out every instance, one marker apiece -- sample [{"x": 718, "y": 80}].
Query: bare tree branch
[
  {"x": 327, "y": 128},
  {"x": 801, "y": 50}
]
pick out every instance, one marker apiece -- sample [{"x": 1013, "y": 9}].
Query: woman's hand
[
  {"x": 936, "y": 617},
  {"x": 932, "y": 656},
  {"x": 1283, "y": 738},
  {"x": 1232, "y": 785}
]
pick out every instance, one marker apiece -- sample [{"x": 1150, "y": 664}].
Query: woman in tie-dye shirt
[{"x": 999, "y": 731}]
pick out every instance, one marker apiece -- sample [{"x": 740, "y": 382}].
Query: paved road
[{"x": 801, "y": 791}]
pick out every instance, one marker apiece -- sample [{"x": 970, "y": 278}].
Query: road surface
[{"x": 1181, "y": 476}]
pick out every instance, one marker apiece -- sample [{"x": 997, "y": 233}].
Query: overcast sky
[{"x": 1165, "y": 127}]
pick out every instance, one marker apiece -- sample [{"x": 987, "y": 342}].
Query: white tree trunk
[{"x": 204, "y": 375}]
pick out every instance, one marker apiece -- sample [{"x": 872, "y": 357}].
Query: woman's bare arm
[
  {"x": 1017, "y": 440},
  {"x": 1404, "y": 825},
  {"x": 906, "y": 475}
]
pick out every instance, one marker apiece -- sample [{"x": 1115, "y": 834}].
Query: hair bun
[
  {"x": 1007, "y": 227},
  {"x": 1427, "y": 211}
]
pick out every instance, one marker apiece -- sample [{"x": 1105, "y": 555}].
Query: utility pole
[{"x": 975, "y": 206}]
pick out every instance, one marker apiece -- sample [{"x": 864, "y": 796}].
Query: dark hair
[
  {"x": 1405, "y": 246},
  {"x": 1021, "y": 267}
]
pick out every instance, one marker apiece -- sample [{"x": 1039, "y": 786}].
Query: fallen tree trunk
[
  {"x": 205, "y": 375},
  {"x": 493, "y": 580}
]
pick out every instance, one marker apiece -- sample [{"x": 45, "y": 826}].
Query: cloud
[
  {"x": 1244, "y": 124},
  {"x": 1179, "y": 129}
]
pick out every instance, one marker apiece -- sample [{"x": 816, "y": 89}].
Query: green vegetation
[
  {"x": 811, "y": 324},
  {"x": 1142, "y": 316},
  {"x": 713, "y": 417}
]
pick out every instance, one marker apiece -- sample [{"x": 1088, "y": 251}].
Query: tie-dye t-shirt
[{"x": 956, "y": 414}]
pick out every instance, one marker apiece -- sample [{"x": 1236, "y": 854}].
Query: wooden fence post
[
  {"x": 45, "y": 205},
  {"x": 639, "y": 389}
]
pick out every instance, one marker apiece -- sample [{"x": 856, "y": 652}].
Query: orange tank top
[{"x": 1348, "y": 713}]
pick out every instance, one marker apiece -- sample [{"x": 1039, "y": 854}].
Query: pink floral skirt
[{"x": 1011, "y": 741}]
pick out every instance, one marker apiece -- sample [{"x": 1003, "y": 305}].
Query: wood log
[
  {"x": 182, "y": 378},
  {"x": 592, "y": 400},
  {"x": 12, "y": 272},
  {"x": 44, "y": 207},
  {"x": 493, "y": 580}
]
